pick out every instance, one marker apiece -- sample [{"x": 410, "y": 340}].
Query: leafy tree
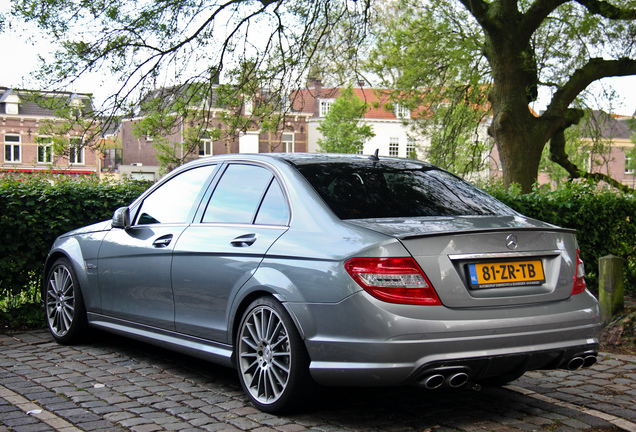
[
  {"x": 496, "y": 55},
  {"x": 163, "y": 44},
  {"x": 447, "y": 51},
  {"x": 341, "y": 129}
]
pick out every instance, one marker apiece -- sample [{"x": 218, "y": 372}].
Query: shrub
[
  {"x": 38, "y": 208},
  {"x": 605, "y": 221}
]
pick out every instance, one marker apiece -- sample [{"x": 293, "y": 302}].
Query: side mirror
[{"x": 121, "y": 218}]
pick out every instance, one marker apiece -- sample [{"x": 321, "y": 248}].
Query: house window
[
  {"x": 288, "y": 142},
  {"x": 411, "y": 148},
  {"x": 402, "y": 112},
  {"x": 248, "y": 104},
  {"x": 45, "y": 150},
  {"x": 206, "y": 146},
  {"x": 11, "y": 108},
  {"x": 394, "y": 146},
  {"x": 12, "y": 148},
  {"x": 76, "y": 151},
  {"x": 629, "y": 168},
  {"x": 325, "y": 106}
]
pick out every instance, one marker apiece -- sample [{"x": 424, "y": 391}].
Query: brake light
[
  {"x": 393, "y": 280},
  {"x": 579, "y": 276}
]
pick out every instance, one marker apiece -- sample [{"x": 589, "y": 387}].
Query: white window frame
[
  {"x": 402, "y": 112},
  {"x": 248, "y": 105},
  {"x": 208, "y": 147},
  {"x": 288, "y": 142},
  {"x": 324, "y": 106},
  {"x": 411, "y": 146},
  {"x": 14, "y": 145},
  {"x": 46, "y": 144},
  {"x": 394, "y": 147},
  {"x": 76, "y": 157},
  {"x": 627, "y": 162}
]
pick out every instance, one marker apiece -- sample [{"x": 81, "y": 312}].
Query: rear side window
[
  {"x": 357, "y": 190},
  {"x": 247, "y": 194}
]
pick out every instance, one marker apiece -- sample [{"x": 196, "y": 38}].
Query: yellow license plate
[{"x": 499, "y": 274}]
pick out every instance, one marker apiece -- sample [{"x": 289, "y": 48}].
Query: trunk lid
[{"x": 486, "y": 261}]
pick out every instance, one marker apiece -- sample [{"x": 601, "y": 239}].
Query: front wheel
[
  {"x": 271, "y": 358},
  {"x": 65, "y": 311}
]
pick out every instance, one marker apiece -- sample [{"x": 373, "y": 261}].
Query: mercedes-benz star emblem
[{"x": 511, "y": 242}]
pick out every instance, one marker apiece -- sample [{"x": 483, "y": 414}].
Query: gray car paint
[{"x": 352, "y": 337}]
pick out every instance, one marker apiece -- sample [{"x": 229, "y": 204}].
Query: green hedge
[
  {"x": 605, "y": 222},
  {"x": 38, "y": 208}
]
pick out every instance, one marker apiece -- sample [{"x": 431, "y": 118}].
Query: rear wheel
[
  {"x": 271, "y": 358},
  {"x": 65, "y": 311}
]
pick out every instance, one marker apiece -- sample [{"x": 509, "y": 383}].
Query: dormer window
[
  {"x": 402, "y": 112},
  {"x": 11, "y": 103},
  {"x": 325, "y": 106},
  {"x": 76, "y": 105}
]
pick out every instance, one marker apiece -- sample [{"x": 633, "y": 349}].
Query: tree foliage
[
  {"x": 492, "y": 56},
  {"x": 343, "y": 130},
  {"x": 159, "y": 44},
  {"x": 509, "y": 50}
]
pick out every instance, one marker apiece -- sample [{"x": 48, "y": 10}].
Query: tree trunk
[{"x": 519, "y": 149}]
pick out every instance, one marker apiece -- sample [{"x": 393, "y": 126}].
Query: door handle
[
  {"x": 163, "y": 241},
  {"x": 244, "y": 240}
]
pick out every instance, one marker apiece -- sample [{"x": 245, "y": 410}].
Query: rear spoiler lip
[{"x": 510, "y": 230}]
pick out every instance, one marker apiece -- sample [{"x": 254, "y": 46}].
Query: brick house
[
  {"x": 139, "y": 156},
  {"x": 27, "y": 149}
]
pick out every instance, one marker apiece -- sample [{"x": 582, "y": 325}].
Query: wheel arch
[
  {"x": 245, "y": 303},
  {"x": 48, "y": 264}
]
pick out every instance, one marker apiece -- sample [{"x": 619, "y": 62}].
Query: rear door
[{"x": 217, "y": 254}]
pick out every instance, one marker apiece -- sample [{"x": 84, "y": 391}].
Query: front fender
[{"x": 82, "y": 252}]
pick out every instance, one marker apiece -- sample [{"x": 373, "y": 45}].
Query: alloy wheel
[
  {"x": 60, "y": 301},
  {"x": 265, "y": 355}
]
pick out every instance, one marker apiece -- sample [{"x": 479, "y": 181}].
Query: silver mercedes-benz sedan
[{"x": 298, "y": 269}]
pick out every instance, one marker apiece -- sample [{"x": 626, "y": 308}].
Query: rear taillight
[
  {"x": 579, "y": 276},
  {"x": 393, "y": 280}
]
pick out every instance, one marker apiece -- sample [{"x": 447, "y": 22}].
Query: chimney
[{"x": 317, "y": 93}]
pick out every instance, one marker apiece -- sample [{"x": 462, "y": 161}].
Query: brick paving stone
[{"x": 124, "y": 386}]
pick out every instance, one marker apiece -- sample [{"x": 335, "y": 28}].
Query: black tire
[
  {"x": 64, "y": 305},
  {"x": 271, "y": 358}
]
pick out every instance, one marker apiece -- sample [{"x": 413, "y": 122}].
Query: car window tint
[
  {"x": 273, "y": 210},
  {"x": 238, "y": 194},
  {"x": 397, "y": 189},
  {"x": 172, "y": 201}
]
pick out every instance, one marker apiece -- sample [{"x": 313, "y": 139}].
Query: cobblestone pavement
[{"x": 114, "y": 384}]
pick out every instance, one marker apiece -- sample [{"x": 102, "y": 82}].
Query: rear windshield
[{"x": 359, "y": 190}]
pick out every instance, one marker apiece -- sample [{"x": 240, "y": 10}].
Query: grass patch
[{"x": 23, "y": 311}]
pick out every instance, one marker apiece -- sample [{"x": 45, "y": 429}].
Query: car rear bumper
[{"x": 395, "y": 344}]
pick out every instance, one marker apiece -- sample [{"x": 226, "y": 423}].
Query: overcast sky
[{"x": 21, "y": 44}]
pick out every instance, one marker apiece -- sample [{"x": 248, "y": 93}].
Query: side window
[
  {"x": 172, "y": 201},
  {"x": 273, "y": 210},
  {"x": 238, "y": 194}
]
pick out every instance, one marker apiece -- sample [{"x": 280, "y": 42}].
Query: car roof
[{"x": 316, "y": 158}]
